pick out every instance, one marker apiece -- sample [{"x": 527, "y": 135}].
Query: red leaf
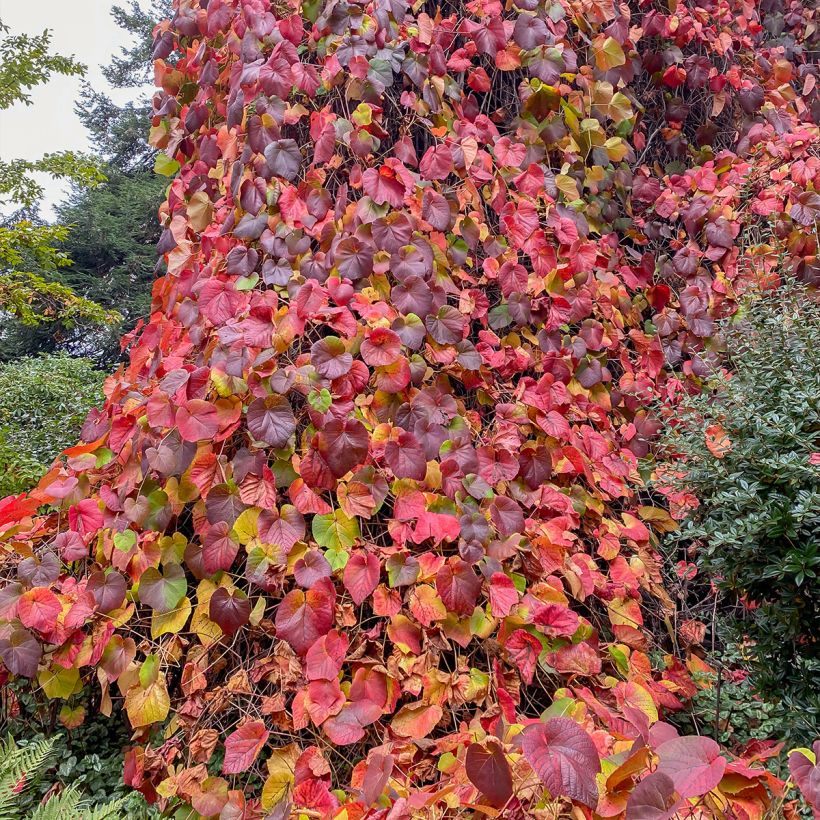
[
  {"x": 16, "y": 508},
  {"x": 218, "y": 548},
  {"x": 437, "y": 162},
  {"x": 564, "y": 757},
  {"x": 376, "y": 777},
  {"x": 325, "y": 658},
  {"x": 693, "y": 763},
  {"x": 197, "y": 420},
  {"x": 557, "y": 620},
  {"x": 381, "y": 346},
  {"x": 282, "y": 528},
  {"x": 503, "y": 595},
  {"x": 324, "y": 699},
  {"x": 383, "y": 186},
  {"x": 405, "y": 457},
  {"x": 39, "y": 609},
  {"x": 807, "y": 775},
  {"x": 303, "y": 617},
  {"x": 243, "y": 745},
  {"x": 523, "y": 650},
  {"x": 361, "y": 575},
  {"x": 348, "y": 726},
  {"x": 489, "y": 771},
  {"x": 458, "y": 586},
  {"x": 310, "y": 568}
]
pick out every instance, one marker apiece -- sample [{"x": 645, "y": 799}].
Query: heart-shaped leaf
[
  {"x": 564, "y": 757},
  {"x": 243, "y": 745},
  {"x": 303, "y": 617},
  {"x": 489, "y": 771},
  {"x": 271, "y": 421},
  {"x": 693, "y": 763},
  {"x": 229, "y": 610},
  {"x": 163, "y": 590}
]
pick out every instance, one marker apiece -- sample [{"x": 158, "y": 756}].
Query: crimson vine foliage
[{"x": 361, "y": 521}]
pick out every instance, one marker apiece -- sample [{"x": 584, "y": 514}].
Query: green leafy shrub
[
  {"x": 43, "y": 403},
  {"x": 22, "y": 768},
  {"x": 86, "y": 750},
  {"x": 729, "y": 709},
  {"x": 750, "y": 445}
]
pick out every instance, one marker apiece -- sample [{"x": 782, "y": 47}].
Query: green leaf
[
  {"x": 165, "y": 166},
  {"x": 335, "y": 530}
]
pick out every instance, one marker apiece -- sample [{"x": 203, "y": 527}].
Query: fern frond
[
  {"x": 62, "y": 806},
  {"x": 108, "y": 811},
  {"x": 18, "y": 764}
]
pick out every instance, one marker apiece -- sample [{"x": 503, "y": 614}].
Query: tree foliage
[
  {"x": 751, "y": 446},
  {"x": 112, "y": 227},
  {"x": 360, "y": 530},
  {"x": 118, "y": 131},
  {"x": 25, "y": 62},
  {"x": 28, "y": 257}
]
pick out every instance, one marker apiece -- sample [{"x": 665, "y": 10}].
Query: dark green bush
[
  {"x": 757, "y": 530},
  {"x": 88, "y": 757},
  {"x": 43, "y": 404}
]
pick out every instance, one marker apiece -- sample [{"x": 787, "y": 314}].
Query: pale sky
[{"x": 84, "y": 29}]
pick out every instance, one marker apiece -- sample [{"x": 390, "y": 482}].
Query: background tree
[
  {"x": 113, "y": 225},
  {"x": 30, "y": 290}
]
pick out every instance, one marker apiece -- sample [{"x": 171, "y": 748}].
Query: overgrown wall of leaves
[{"x": 360, "y": 529}]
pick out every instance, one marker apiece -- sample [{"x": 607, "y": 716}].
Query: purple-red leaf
[
  {"x": 361, "y": 575},
  {"x": 654, "y": 798},
  {"x": 229, "y": 610},
  {"x": 564, "y": 757},
  {"x": 693, "y": 763},
  {"x": 458, "y": 587},
  {"x": 270, "y": 420},
  {"x": 807, "y": 775},
  {"x": 303, "y": 617},
  {"x": 489, "y": 771}
]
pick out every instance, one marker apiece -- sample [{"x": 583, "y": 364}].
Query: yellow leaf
[
  {"x": 245, "y": 529},
  {"x": 637, "y": 697},
  {"x": 616, "y": 149},
  {"x": 620, "y": 108},
  {"x": 149, "y": 705},
  {"x": 163, "y": 623},
  {"x": 58, "y": 682},
  {"x": 200, "y": 211},
  {"x": 608, "y": 54},
  {"x": 658, "y": 518},
  {"x": 281, "y": 765},
  {"x": 567, "y": 185},
  {"x": 202, "y": 626},
  {"x": 808, "y": 753}
]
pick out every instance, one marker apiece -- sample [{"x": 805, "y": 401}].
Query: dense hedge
[
  {"x": 361, "y": 521},
  {"x": 751, "y": 444}
]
